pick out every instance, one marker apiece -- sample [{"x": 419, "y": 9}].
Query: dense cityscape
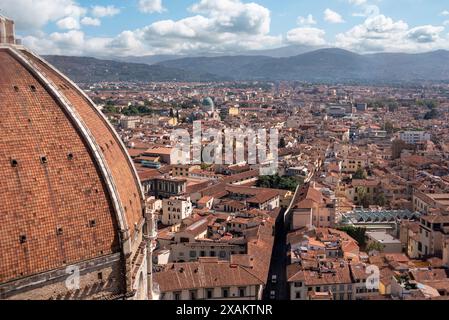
[
  {"x": 362, "y": 181},
  {"x": 219, "y": 190}
]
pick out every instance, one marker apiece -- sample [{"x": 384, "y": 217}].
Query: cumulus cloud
[
  {"x": 425, "y": 34},
  {"x": 220, "y": 26},
  {"x": 235, "y": 16},
  {"x": 30, "y": 15},
  {"x": 105, "y": 11},
  {"x": 357, "y": 2},
  {"x": 380, "y": 33},
  {"x": 444, "y": 13},
  {"x": 306, "y": 36},
  {"x": 88, "y": 21},
  {"x": 68, "y": 23},
  {"x": 332, "y": 16},
  {"x": 217, "y": 26},
  {"x": 306, "y": 21},
  {"x": 151, "y": 6}
]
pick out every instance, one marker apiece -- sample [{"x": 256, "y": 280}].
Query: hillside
[
  {"x": 89, "y": 70},
  {"x": 323, "y": 65}
]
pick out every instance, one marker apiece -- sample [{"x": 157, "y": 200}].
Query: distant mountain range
[
  {"x": 90, "y": 70},
  {"x": 283, "y": 52},
  {"x": 322, "y": 65}
]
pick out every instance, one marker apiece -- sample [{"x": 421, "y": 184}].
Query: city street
[{"x": 278, "y": 263}]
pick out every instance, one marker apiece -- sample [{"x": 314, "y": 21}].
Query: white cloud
[
  {"x": 105, "y": 11},
  {"x": 381, "y": 33},
  {"x": 357, "y": 2},
  {"x": 88, "y": 21},
  {"x": 235, "y": 16},
  {"x": 306, "y": 21},
  {"x": 445, "y": 13},
  {"x": 68, "y": 23},
  {"x": 31, "y": 15},
  {"x": 71, "y": 42},
  {"x": 306, "y": 36},
  {"x": 368, "y": 11},
  {"x": 221, "y": 26},
  {"x": 425, "y": 34},
  {"x": 332, "y": 16},
  {"x": 151, "y": 6}
]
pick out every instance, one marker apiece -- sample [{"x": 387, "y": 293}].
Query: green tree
[
  {"x": 357, "y": 233},
  {"x": 375, "y": 246},
  {"x": 393, "y": 106},
  {"x": 388, "y": 126},
  {"x": 108, "y": 109},
  {"x": 359, "y": 174},
  {"x": 380, "y": 199},
  {"x": 432, "y": 114},
  {"x": 278, "y": 182},
  {"x": 362, "y": 197}
]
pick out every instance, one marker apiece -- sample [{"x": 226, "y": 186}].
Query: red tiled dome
[{"x": 69, "y": 192}]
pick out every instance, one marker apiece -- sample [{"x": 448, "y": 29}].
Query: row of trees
[
  {"x": 365, "y": 200},
  {"x": 128, "y": 111},
  {"x": 278, "y": 182}
]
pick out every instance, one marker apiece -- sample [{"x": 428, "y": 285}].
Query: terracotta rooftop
[
  {"x": 68, "y": 185},
  {"x": 203, "y": 274}
]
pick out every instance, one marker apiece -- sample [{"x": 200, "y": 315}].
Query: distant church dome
[
  {"x": 70, "y": 196},
  {"x": 208, "y": 105}
]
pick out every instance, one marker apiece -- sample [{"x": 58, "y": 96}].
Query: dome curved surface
[
  {"x": 69, "y": 191},
  {"x": 208, "y": 104}
]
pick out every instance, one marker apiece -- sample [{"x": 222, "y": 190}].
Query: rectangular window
[
  {"x": 209, "y": 293},
  {"x": 242, "y": 292},
  {"x": 225, "y": 292}
]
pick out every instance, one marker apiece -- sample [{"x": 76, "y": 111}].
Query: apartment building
[
  {"x": 311, "y": 207},
  {"x": 425, "y": 202},
  {"x": 175, "y": 209},
  {"x": 208, "y": 279},
  {"x": 181, "y": 170},
  {"x": 414, "y": 137},
  {"x": 192, "y": 251},
  {"x": 350, "y": 164},
  {"x": 433, "y": 234},
  {"x": 335, "y": 278}
]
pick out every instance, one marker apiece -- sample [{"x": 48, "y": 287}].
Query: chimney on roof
[{"x": 7, "y": 34}]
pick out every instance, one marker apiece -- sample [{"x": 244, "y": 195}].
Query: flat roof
[{"x": 382, "y": 237}]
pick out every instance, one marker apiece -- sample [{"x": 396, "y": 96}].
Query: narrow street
[{"x": 278, "y": 263}]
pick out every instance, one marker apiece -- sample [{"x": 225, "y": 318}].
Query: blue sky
[{"x": 139, "y": 27}]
